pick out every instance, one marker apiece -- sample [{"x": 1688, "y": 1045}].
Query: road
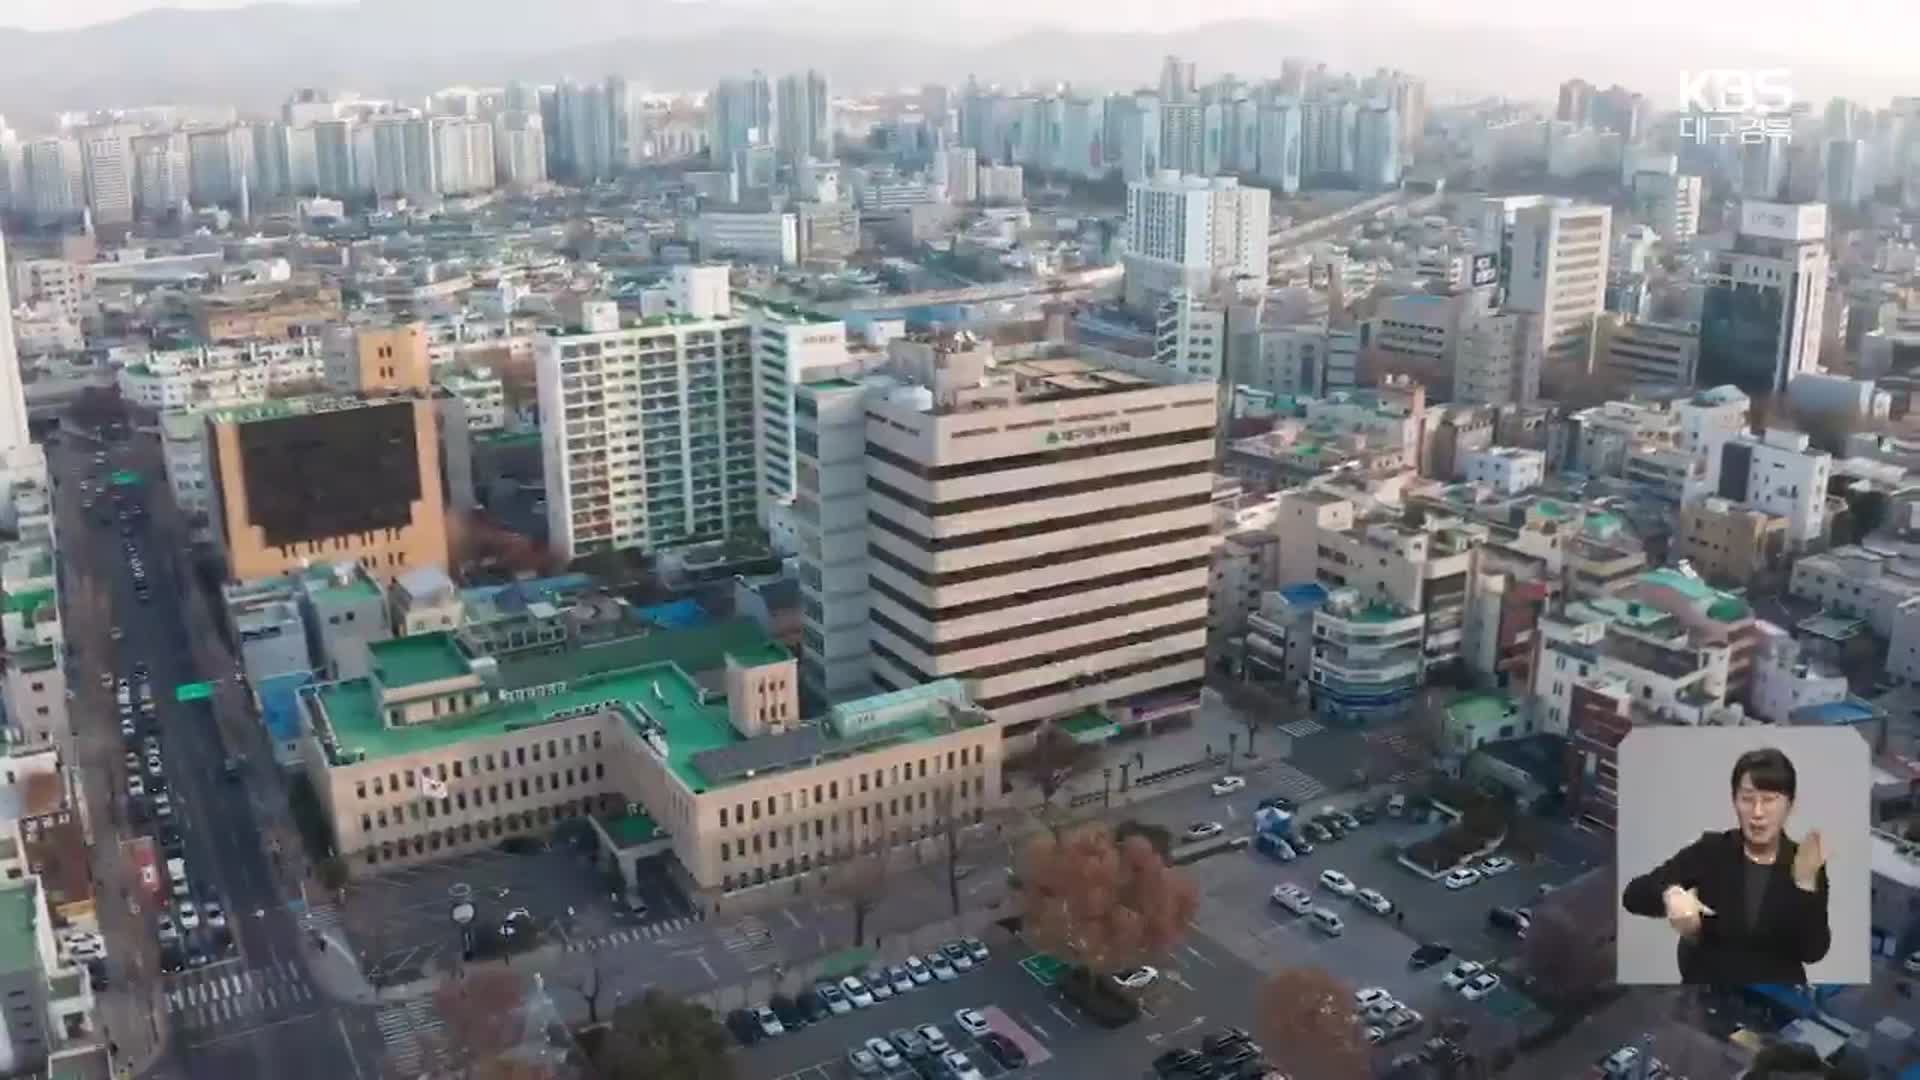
[{"x": 255, "y": 1013}]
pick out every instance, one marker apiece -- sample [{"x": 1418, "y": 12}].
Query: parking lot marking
[
  {"x": 1198, "y": 955},
  {"x": 1064, "y": 1018},
  {"x": 791, "y": 917},
  {"x": 704, "y": 966}
]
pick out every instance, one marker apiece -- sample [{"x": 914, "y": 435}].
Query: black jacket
[{"x": 1790, "y": 933}]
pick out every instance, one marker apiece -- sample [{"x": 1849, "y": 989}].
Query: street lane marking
[
  {"x": 1064, "y": 1018},
  {"x": 791, "y": 917},
  {"x": 1198, "y": 955}
]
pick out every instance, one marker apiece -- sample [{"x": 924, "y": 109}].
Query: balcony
[{"x": 1376, "y": 672}]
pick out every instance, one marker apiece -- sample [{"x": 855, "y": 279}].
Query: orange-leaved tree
[
  {"x": 1103, "y": 904},
  {"x": 1305, "y": 1019}
]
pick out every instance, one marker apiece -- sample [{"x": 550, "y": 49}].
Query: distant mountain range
[{"x": 254, "y": 56}]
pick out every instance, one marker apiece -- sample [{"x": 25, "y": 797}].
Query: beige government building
[{"x": 686, "y": 742}]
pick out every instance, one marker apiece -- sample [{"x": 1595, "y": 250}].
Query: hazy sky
[{"x": 1872, "y": 30}]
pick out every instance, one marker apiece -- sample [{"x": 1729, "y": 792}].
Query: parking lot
[{"x": 400, "y": 921}]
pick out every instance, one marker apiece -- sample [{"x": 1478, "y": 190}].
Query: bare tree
[
  {"x": 1305, "y": 1019},
  {"x": 1566, "y": 962},
  {"x": 862, "y": 883},
  {"x": 959, "y": 839},
  {"x": 1102, "y": 904},
  {"x": 1055, "y": 758},
  {"x": 482, "y": 1011},
  {"x": 591, "y": 985}
]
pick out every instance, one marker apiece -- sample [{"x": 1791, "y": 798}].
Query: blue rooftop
[
  {"x": 1305, "y": 594},
  {"x": 1850, "y": 711},
  {"x": 679, "y": 615}
]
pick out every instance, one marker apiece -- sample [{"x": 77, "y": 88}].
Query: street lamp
[
  {"x": 462, "y": 915},
  {"x": 1106, "y": 787}
]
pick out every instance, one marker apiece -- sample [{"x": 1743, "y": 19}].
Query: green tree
[{"x": 659, "y": 1036}]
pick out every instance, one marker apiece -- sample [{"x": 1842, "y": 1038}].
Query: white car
[
  {"x": 856, "y": 992},
  {"x": 935, "y": 1039},
  {"x": 1203, "y": 830},
  {"x": 1373, "y": 901},
  {"x": 1293, "y": 898},
  {"x": 942, "y": 970},
  {"x": 971, "y": 1021},
  {"x": 883, "y": 1050},
  {"x": 1462, "y": 971},
  {"x": 1376, "y": 1036},
  {"x": 1337, "y": 883},
  {"x": 1370, "y": 995},
  {"x": 1912, "y": 963},
  {"x": 136, "y": 786},
  {"x": 189, "y": 915},
  {"x": 215, "y": 917},
  {"x": 770, "y": 1024},
  {"x": 902, "y": 981},
  {"x": 1461, "y": 877},
  {"x": 1379, "y": 1010},
  {"x": 167, "y": 931},
  {"x": 918, "y": 971},
  {"x": 1479, "y": 986},
  {"x": 879, "y": 984},
  {"x": 1227, "y": 785},
  {"x": 1138, "y": 979},
  {"x": 1499, "y": 864},
  {"x": 959, "y": 1067}
]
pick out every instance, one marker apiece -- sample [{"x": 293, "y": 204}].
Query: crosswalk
[
  {"x": 745, "y": 935},
  {"x": 410, "y": 1031},
  {"x": 322, "y": 917},
  {"x": 1300, "y": 729},
  {"x": 1286, "y": 778},
  {"x": 223, "y": 995},
  {"x": 630, "y": 936}
]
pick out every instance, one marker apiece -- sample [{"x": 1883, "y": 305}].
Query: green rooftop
[
  {"x": 831, "y": 384},
  {"x": 694, "y": 649},
  {"x": 1480, "y": 710},
  {"x": 417, "y": 659},
  {"x": 629, "y": 830},
  {"x": 281, "y": 408},
  {"x": 27, "y": 601},
  {"x": 1377, "y": 612},
  {"x": 19, "y": 920},
  {"x": 1552, "y": 509},
  {"x": 662, "y": 691}
]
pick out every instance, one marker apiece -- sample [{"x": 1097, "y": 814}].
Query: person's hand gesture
[
  {"x": 1684, "y": 910},
  {"x": 1808, "y": 862}
]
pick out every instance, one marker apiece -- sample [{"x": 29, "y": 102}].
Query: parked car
[
  {"x": 941, "y": 967},
  {"x": 1003, "y": 1050},
  {"x": 1499, "y": 864},
  {"x": 935, "y": 1039},
  {"x": 958, "y": 956},
  {"x": 1479, "y": 986},
  {"x": 1137, "y": 978},
  {"x": 1181, "y": 1062},
  {"x": 862, "y": 1061},
  {"x": 768, "y": 1022},
  {"x": 884, "y": 1052},
  {"x": 1370, "y": 995},
  {"x": 743, "y": 1027},
  {"x": 1292, "y": 897},
  {"x": 918, "y": 971},
  {"x": 1337, "y": 883},
  {"x": 878, "y": 984},
  {"x": 971, "y": 1021},
  {"x": 1204, "y": 830},
  {"x": 791, "y": 1016},
  {"x": 1463, "y": 971},
  {"x": 1373, "y": 901},
  {"x": 813, "y": 1006},
  {"x": 900, "y": 978},
  {"x": 1227, "y": 785},
  {"x": 1510, "y": 920},
  {"x": 959, "y": 1067},
  {"x": 837, "y": 1002},
  {"x": 1427, "y": 955},
  {"x": 1461, "y": 877},
  {"x": 908, "y": 1043},
  {"x": 976, "y": 949},
  {"x": 856, "y": 992}
]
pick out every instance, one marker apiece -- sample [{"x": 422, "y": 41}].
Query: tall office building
[
  {"x": 14, "y": 435},
  {"x": 791, "y": 346},
  {"x": 106, "y": 157},
  {"x": 1669, "y": 203},
  {"x": 652, "y": 441},
  {"x": 1041, "y": 534},
  {"x": 519, "y": 149},
  {"x": 160, "y": 173},
  {"x": 589, "y": 123},
  {"x": 1279, "y": 145},
  {"x": 1132, "y": 135},
  {"x": 216, "y": 160},
  {"x": 1849, "y": 172},
  {"x": 1576, "y": 102},
  {"x": 1376, "y": 138},
  {"x": 740, "y": 114},
  {"x": 804, "y": 128},
  {"x": 1183, "y": 137},
  {"x": 463, "y": 155},
  {"x": 272, "y": 173},
  {"x": 327, "y": 477},
  {"x": 54, "y": 177},
  {"x": 1766, "y": 298},
  {"x": 1558, "y": 271},
  {"x": 1178, "y": 80},
  {"x": 334, "y": 169},
  {"x": 403, "y": 157},
  {"x": 1193, "y": 234}
]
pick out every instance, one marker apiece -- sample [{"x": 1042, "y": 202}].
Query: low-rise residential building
[
  {"x": 183, "y": 454},
  {"x": 1476, "y": 720},
  {"x": 213, "y": 376},
  {"x": 482, "y": 392},
  {"x": 1367, "y": 658},
  {"x": 1865, "y": 582},
  {"x": 1779, "y": 473},
  {"x": 1601, "y": 437},
  {"x": 1654, "y": 353},
  {"x": 1786, "y": 679},
  {"x": 1278, "y": 650},
  {"x": 686, "y": 745},
  {"x": 1729, "y": 544},
  {"x": 1903, "y": 644},
  {"x": 31, "y": 630},
  {"x": 1669, "y": 472},
  {"x": 1507, "y": 470},
  {"x": 1423, "y": 570}
]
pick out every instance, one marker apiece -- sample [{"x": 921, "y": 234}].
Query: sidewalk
[{"x": 1217, "y": 729}]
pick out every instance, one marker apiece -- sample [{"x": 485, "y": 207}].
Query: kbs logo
[{"x": 1722, "y": 105}]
